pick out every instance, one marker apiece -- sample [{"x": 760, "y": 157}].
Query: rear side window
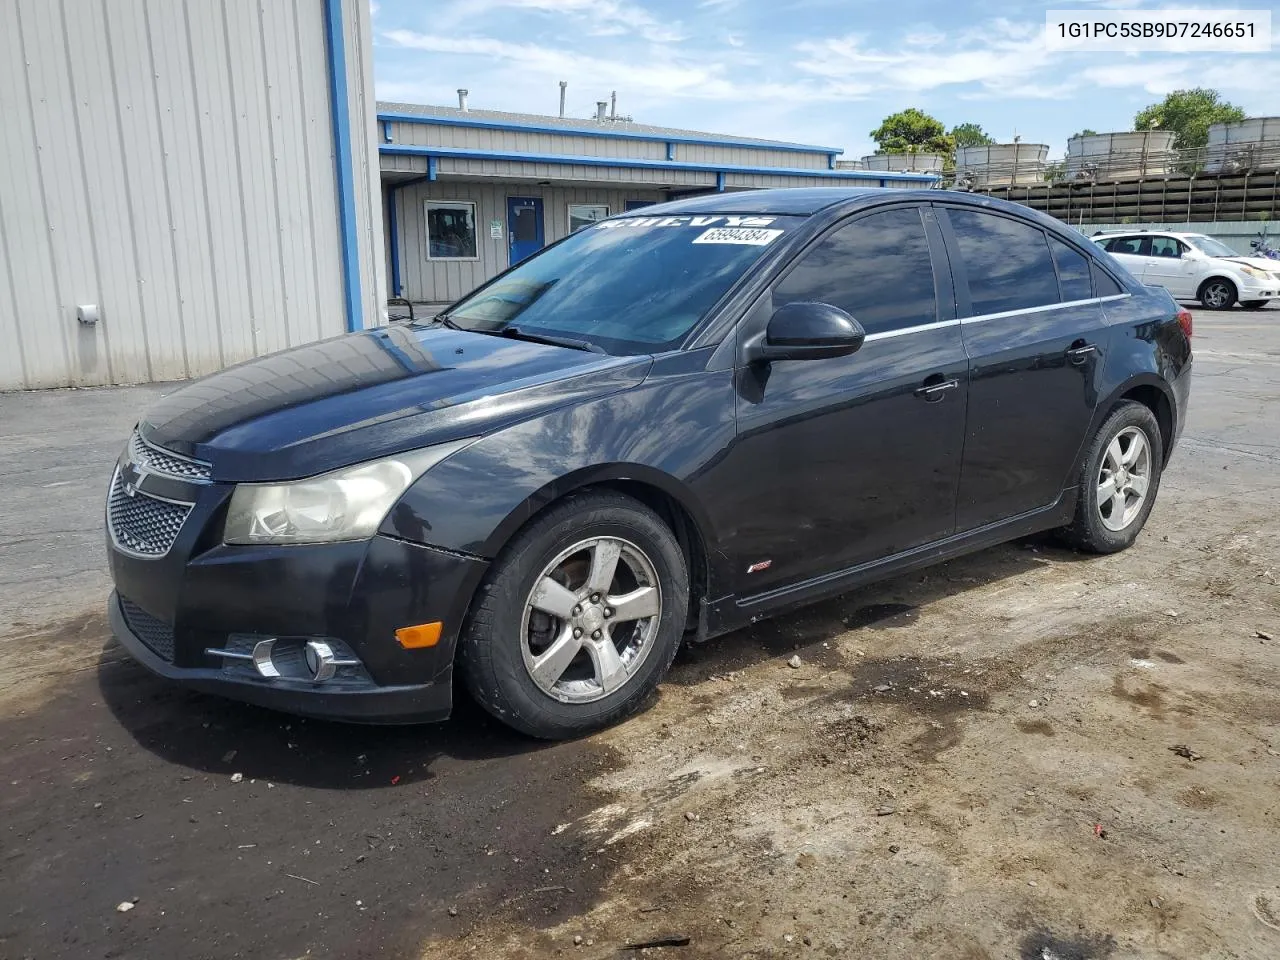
[
  {"x": 1165, "y": 247},
  {"x": 1134, "y": 246},
  {"x": 1007, "y": 261},
  {"x": 877, "y": 269},
  {"x": 1073, "y": 271}
]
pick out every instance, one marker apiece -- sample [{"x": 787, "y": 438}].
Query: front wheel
[
  {"x": 578, "y": 619},
  {"x": 1217, "y": 294},
  {"x": 1118, "y": 482},
  {"x": 1254, "y": 304}
]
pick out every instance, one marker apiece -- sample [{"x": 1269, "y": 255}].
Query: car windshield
[
  {"x": 629, "y": 286},
  {"x": 1210, "y": 246}
]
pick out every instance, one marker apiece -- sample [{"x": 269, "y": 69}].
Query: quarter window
[
  {"x": 585, "y": 214},
  {"x": 1073, "y": 271},
  {"x": 1103, "y": 284},
  {"x": 451, "y": 230},
  {"x": 1007, "y": 262},
  {"x": 876, "y": 269}
]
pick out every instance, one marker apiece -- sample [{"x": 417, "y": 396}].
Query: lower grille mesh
[{"x": 154, "y": 632}]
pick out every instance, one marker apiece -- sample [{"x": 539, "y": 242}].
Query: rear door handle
[
  {"x": 934, "y": 390},
  {"x": 1080, "y": 353}
]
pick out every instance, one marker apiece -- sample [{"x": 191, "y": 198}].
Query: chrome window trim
[{"x": 921, "y": 328}]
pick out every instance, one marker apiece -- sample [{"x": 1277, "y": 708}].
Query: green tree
[
  {"x": 912, "y": 131},
  {"x": 1188, "y": 113},
  {"x": 1086, "y": 132},
  {"x": 970, "y": 135}
]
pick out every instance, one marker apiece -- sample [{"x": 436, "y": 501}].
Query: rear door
[
  {"x": 843, "y": 461},
  {"x": 1132, "y": 252},
  {"x": 1034, "y": 334}
]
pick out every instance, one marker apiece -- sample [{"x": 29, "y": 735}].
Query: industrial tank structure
[
  {"x": 1121, "y": 156},
  {"x": 903, "y": 162},
  {"x": 1247, "y": 146},
  {"x": 1001, "y": 165}
]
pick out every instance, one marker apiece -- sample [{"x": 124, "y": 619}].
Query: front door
[
  {"x": 1036, "y": 338},
  {"x": 844, "y": 461},
  {"x": 524, "y": 227}
]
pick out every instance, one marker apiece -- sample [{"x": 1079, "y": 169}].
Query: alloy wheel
[
  {"x": 590, "y": 620},
  {"x": 1124, "y": 478},
  {"x": 1216, "y": 295}
]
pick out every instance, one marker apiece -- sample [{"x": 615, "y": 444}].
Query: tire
[
  {"x": 1095, "y": 526},
  {"x": 1254, "y": 304},
  {"x": 1217, "y": 293},
  {"x": 506, "y": 635}
]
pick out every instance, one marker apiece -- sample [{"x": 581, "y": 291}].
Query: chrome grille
[
  {"x": 167, "y": 464},
  {"x": 143, "y": 525},
  {"x": 154, "y": 632}
]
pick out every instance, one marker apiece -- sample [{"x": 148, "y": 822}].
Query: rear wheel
[
  {"x": 578, "y": 619},
  {"x": 1254, "y": 304},
  {"x": 1217, "y": 293},
  {"x": 1118, "y": 481}
]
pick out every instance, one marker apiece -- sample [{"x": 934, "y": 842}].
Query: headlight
[
  {"x": 347, "y": 504},
  {"x": 1255, "y": 272}
]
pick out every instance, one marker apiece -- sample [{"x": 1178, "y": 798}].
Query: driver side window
[{"x": 877, "y": 269}]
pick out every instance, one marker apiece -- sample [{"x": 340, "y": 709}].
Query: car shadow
[
  {"x": 889, "y": 604},
  {"x": 215, "y": 735}
]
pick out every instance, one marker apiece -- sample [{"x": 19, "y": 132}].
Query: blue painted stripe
[
  {"x": 465, "y": 153},
  {"x": 341, "y": 114},
  {"x": 521, "y": 126}
]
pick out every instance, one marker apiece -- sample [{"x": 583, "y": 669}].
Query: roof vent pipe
[
  {"x": 462, "y": 99},
  {"x": 602, "y": 107},
  {"x": 613, "y": 105},
  {"x": 563, "y": 85}
]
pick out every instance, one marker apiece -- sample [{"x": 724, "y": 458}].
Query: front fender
[{"x": 668, "y": 432}]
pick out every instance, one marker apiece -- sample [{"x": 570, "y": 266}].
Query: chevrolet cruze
[{"x": 661, "y": 428}]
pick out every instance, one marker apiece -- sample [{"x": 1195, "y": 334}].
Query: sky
[{"x": 822, "y": 72}]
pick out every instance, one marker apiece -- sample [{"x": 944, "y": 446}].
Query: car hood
[
  {"x": 371, "y": 394},
  {"x": 1260, "y": 263}
]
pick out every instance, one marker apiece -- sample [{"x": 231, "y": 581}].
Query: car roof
[
  {"x": 807, "y": 201},
  {"x": 1102, "y": 235}
]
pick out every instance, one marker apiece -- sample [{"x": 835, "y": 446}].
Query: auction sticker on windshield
[{"x": 745, "y": 235}]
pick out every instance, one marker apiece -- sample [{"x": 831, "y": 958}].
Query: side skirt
[{"x": 732, "y": 613}]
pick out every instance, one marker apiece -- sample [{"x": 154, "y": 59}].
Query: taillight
[{"x": 1184, "y": 321}]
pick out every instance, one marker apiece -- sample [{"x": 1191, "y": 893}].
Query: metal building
[
  {"x": 469, "y": 192},
  {"x": 185, "y": 184}
]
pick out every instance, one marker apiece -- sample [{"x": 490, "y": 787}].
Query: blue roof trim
[
  {"x": 465, "y": 153},
  {"x": 341, "y": 118},
  {"x": 521, "y": 127}
]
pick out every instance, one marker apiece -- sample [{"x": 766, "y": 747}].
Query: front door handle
[
  {"x": 935, "y": 388},
  {"x": 1080, "y": 352}
]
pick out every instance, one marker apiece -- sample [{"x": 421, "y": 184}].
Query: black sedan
[{"x": 661, "y": 428}]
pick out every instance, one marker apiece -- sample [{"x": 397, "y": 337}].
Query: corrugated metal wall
[
  {"x": 172, "y": 162},
  {"x": 438, "y": 135},
  {"x": 443, "y": 281}
]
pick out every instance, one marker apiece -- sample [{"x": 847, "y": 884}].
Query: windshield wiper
[
  {"x": 443, "y": 319},
  {"x": 515, "y": 333}
]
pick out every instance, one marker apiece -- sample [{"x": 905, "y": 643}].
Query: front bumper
[
  {"x": 1259, "y": 290},
  {"x": 178, "y": 614},
  {"x": 411, "y": 703}
]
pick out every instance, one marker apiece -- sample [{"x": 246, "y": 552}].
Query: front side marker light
[{"x": 421, "y": 636}]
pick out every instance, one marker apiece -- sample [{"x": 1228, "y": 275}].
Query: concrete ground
[{"x": 1026, "y": 753}]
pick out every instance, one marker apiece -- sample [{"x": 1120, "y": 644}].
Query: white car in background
[{"x": 1192, "y": 266}]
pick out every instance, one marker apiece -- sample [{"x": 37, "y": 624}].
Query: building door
[{"x": 524, "y": 227}]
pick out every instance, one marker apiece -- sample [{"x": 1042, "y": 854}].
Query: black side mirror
[{"x": 807, "y": 331}]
